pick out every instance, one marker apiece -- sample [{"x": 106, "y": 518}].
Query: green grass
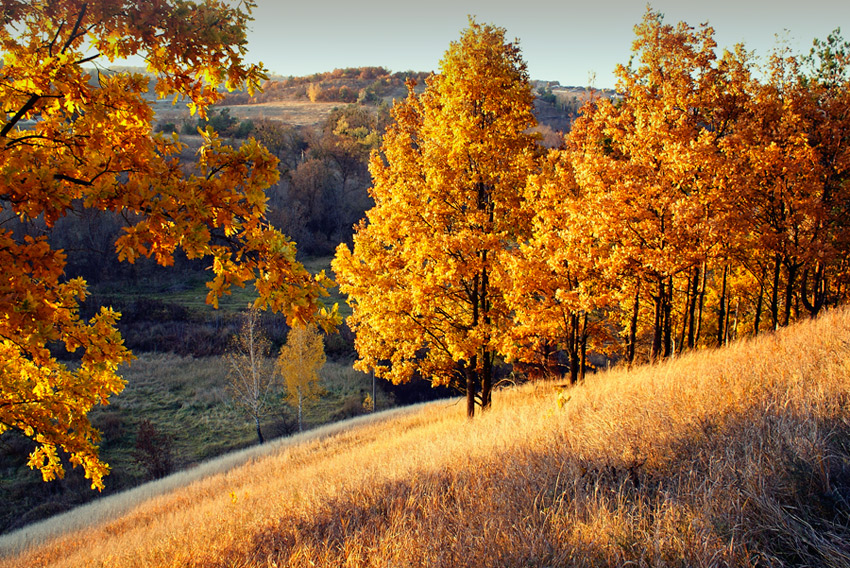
[
  {"x": 186, "y": 399},
  {"x": 189, "y": 289}
]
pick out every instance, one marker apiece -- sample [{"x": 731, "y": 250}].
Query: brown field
[
  {"x": 735, "y": 457},
  {"x": 298, "y": 113}
]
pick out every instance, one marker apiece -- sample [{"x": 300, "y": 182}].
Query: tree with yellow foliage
[
  {"x": 426, "y": 277},
  {"x": 73, "y": 138},
  {"x": 654, "y": 173},
  {"x": 300, "y": 360}
]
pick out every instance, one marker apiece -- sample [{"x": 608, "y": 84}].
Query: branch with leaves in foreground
[{"x": 71, "y": 138}]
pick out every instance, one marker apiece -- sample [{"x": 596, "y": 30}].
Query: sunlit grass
[{"x": 737, "y": 457}]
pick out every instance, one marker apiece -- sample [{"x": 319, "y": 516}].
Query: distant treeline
[{"x": 349, "y": 85}]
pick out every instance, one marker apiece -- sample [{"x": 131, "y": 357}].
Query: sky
[{"x": 574, "y": 42}]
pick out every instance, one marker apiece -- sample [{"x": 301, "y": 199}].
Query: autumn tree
[
  {"x": 559, "y": 291},
  {"x": 75, "y": 136},
  {"x": 792, "y": 166},
  {"x": 300, "y": 360},
  {"x": 653, "y": 171},
  {"x": 426, "y": 276},
  {"x": 252, "y": 379}
]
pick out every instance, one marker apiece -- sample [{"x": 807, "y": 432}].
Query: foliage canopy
[
  {"x": 425, "y": 277},
  {"x": 73, "y": 138}
]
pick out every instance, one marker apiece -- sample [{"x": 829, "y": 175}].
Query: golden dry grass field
[{"x": 734, "y": 457}]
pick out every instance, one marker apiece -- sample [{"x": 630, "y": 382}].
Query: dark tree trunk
[
  {"x": 759, "y": 305},
  {"x": 721, "y": 319},
  {"x": 572, "y": 348},
  {"x": 692, "y": 309},
  {"x": 583, "y": 362},
  {"x": 658, "y": 325},
  {"x": 774, "y": 295},
  {"x": 686, "y": 312},
  {"x": 630, "y": 349},
  {"x": 701, "y": 302},
  {"x": 259, "y": 432},
  {"x": 486, "y": 381},
  {"x": 668, "y": 318},
  {"x": 789, "y": 291},
  {"x": 814, "y": 305},
  {"x": 471, "y": 379}
]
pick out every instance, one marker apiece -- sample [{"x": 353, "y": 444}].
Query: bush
[{"x": 153, "y": 450}]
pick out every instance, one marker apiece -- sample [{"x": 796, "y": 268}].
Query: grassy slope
[{"x": 735, "y": 457}]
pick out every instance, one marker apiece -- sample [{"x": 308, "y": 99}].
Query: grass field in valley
[{"x": 734, "y": 457}]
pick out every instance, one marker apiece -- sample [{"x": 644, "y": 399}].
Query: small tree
[
  {"x": 252, "y": 379},
  {"x": 299, "y": 362},
  {"x": 153, "y": 450}
]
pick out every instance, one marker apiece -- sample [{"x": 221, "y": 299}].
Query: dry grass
[
  {"x": 299, "y": 113},
  {"x": 739, "y": 457}
]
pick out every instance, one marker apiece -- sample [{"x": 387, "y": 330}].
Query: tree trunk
[
  {"x": 759, "y": 304},
  {"x": 689, "y": 295},
  {"x": 487, "y": 355},
  {"x": 721, "y": 319},
  {"x": 583, "y": 361},
  {"x": 818, "y": 299},
  {"x": 701, "y": 302},
  {"x": 659, "y": 321},
  {"x": 487, "y": 381},
  {"x": 470, "y": 389},
  {"x": 259, "y": 432},
  {"x": 789, "y": 291},
  {"x": 300, "y": 413},
  {"x": 734, "y": 329},
  {"x": 692, "y": 309},
  {"x": 630, "y": 349},
  {"x": 774, "y": 297},
  {"x": 572, "y": 348},
  {"x": 668, "y": 318}
]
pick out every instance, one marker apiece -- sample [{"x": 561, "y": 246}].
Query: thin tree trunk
[
  {"x": 583, "y": 362},
  {"x": 721, "y": 319},
  {"x": 701, "y": 302},
  {"x": 759, "y": 304},
  {"x": 818, "y": 293},
  {"x": 487, "y": 355},
  {"x": 573, "y": 349},
  {"x": 692, "y": 323},
  {"x": 734, "y": 329},
  {"x": 487, "y": 381},
  {"x": 668, "y": 318},
  {"x": 630, "y": 349},
  {"x": 300, "y": 412},
  {"x": 470, "y": 389},
  {"x": 685, "y": 314},
  {"x": 472, "y": 368},
  {"x": 659, "y": 321},
  {"x": 789, "y": 291},
  {"x": 774, "y": 298},
  {"x": 259, "y": 432}
]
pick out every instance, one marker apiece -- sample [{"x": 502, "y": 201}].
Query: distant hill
[
  {"x": 306, "y": 100},
  {"x": 730, "y": 457}
]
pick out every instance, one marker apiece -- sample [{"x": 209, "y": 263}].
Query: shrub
[{"x": 153, "y": 450}]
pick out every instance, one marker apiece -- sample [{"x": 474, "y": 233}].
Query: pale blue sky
[{"x": 562, "y": 40}]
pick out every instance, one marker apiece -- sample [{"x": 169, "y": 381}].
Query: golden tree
[
  {"x": 300, "y": 360},
  {"x": 72, "y": 138},
  {"x": 425, "y": 278},
  {"x": 560, "y": 286},
  {"x": 653, "y": 171}
]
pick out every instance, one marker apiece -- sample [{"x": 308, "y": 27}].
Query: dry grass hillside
[{"x": 735, "y": 457}]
